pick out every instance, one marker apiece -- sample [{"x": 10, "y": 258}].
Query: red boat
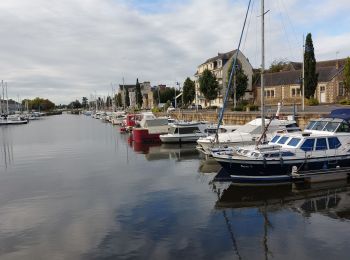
[
  {"x": 129, "y": 122},
  {"x": 150, "y": 129}
]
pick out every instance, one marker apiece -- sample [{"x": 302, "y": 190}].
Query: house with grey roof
[
  {"x": 284, "y": 86},
  {"x": 219, "y": 66}
]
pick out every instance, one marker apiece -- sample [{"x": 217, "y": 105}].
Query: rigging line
[
  {"x": 248, "y": 26},
  {"x": 290, "y": 22},
  {"x": 284, "y": 28},
  {"x": 233, "y": 70}
]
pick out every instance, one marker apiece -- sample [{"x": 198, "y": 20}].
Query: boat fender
[{"x": 295, "y": 171}]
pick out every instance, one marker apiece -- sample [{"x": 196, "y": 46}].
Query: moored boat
[{"x": 323, "y": 148}]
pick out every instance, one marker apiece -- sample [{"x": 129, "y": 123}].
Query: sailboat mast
[
  {"x": 262, "y": 67},
  {"x": 7, "y": 100},
  {"x": 303, "y": 76}
]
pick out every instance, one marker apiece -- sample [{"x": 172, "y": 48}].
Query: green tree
[
  {"x": 279, "y": 65},
  {"x": 138, "y": 94},
  {"x": 208, "y": 85},
  {"x": 188, "y": 91},
  {"x": 108, "y": 101},
  {"x": 75, "y": 104},
  {"x": 127, "y": 98},
  {"x": 119, "y": 100},
  {"x": 311, "y": 77},
  {"x": 346, "y": 75},
  {"x": 84, "y": 102},
  {"x": 241, "y": 82}
]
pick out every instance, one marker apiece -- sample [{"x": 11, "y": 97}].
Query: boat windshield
[
  {"x": 173, "y": 130},
  {"x": 331, "y": 126},
  {"x": 248, "y": 128}
]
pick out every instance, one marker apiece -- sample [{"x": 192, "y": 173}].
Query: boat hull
[
  {"x": 143, "y": 136},
  {"x": 178, "y": 139},
  {"x": 277, "y": 170}
]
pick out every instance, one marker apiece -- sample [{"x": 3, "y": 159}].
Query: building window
[
  {"x": 295, "y": 92},
  {"x": 269, "y": 93},
  {"x": 341, "y": 89}
]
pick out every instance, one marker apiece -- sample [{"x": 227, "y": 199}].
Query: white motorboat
[
  {"x": 184, "y": 132},
  {"x": 245, "y": 134}
]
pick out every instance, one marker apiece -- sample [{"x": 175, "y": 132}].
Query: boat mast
[
  {"x": 262, "y": 68},
  {"x": 7, "y": 100},
  {"x": 303, "y": 76}
]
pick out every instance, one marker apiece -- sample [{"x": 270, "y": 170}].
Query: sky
[{"x": 66, "y": 49}]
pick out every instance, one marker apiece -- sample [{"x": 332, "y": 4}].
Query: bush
[
  {"x": 156, "y": 110},
  {"x": 311, "y": 102},
  {"x": 344, "y": 101},
  {"x": 252, "y": 107},
  {"x": 212, "y": 107},
  {"x": 239, "y": 108}
]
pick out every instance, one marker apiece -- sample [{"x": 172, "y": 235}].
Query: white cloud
[{"x": 67, "y": 49}]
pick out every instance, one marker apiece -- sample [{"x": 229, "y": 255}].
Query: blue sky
[{"x": 67, "y": 49}]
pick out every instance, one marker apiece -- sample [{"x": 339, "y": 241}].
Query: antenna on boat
[{"x": 232, "y": 72}]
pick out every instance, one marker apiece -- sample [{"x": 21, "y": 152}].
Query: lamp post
[{"x": 182, "y": 94}]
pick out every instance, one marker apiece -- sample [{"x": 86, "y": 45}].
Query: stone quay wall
[{"x": 236, "y": 118}]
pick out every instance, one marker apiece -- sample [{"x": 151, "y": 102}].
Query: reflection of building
[
  {"x": 219, "y": 66},
  {"x": 146, "y": 91},
  {"x": 285, "y": 85}
]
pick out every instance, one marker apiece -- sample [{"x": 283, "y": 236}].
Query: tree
[
  {"x": 75, "y": 104},
  {"x": 108, "y": 101},
  {"x": 279, "y": 65},
  {"x": 119, "y": 100},
  {"x": 127, "y": 98},
  {"x": 346, "y": 74},
  {"x": 84, "y": 102},
  {"x": 138, "y": 94},
  {"x": 241, "y": 82},
  {"x": 208, "y": 85},
  {"x": 188, "y": 91},
  {"x": 311, "y": 77}
]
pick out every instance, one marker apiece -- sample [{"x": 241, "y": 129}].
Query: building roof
[
  {"x": 221, "y": 56},
  {"x": 121, "y": 87},
  {"x": 293, "y": 77}
]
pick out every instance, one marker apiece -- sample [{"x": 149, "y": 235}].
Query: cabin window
[
  {"x": 292, "y": 125},
  {"x": 321, "y": 144},
  {"x": 308, "y": 145},
  {"x": 210, "y": 131},
  {"x": 173, "y": 130},
  {"x": 343, "y": 128},
  {"x": 333, "y": 142},
  {"x": 294, "y": 141},
  {"x": 275, "y": 138},
  {"x": 283, "y": 139},
  {"x": 310, "y": 125},
  {"x": 273, "y": 155},
  {"x": 188, "y": 130},
  {"x": 331, "y": 126},
  {"x": 319, "y": 125},
  {"x": 222, "y": 130}
]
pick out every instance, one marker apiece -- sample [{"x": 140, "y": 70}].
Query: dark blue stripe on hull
[{"x": 240, "y": 172}]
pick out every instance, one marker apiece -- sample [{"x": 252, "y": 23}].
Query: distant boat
[
  {"x": 184, "y": 132},
  {"x": 12, "y": 120}
]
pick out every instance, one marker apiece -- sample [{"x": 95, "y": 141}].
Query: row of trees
[{"x": 39, "y": 104}]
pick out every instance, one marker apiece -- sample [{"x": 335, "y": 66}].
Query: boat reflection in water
[
  {"x": 167, "y": 151},
  {"x": 305, "y": 198},
  {"x": 330, "y": 199}
]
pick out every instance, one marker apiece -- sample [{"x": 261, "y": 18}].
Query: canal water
[{"x": 73, "y": 187}]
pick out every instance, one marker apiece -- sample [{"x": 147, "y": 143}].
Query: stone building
[
  {"x": 285, "y": 85},
  {"x": 146, "y": 91},
  {"x": 219, "y": 66}
]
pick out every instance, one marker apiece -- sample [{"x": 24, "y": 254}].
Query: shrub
[
  {"x": 156, "y": 110},
  {"x": 238, "y": 108},
  {"x": 252, "y": 107},
  {"x": 311, "y": 102},
  {"x": 344, "y": 101},
  {"x": 212, "y": 107}
]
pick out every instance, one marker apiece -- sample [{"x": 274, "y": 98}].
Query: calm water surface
[{"x": 72, "y": 187}]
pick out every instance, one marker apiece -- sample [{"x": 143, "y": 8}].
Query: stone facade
[
  {"x": 146, "y": 91},
  {"x": 219, "y": 66},
  {"x": 285, "y": 85}
]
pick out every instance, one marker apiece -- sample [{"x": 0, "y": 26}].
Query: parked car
[{"x": 193, "y": 106}]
